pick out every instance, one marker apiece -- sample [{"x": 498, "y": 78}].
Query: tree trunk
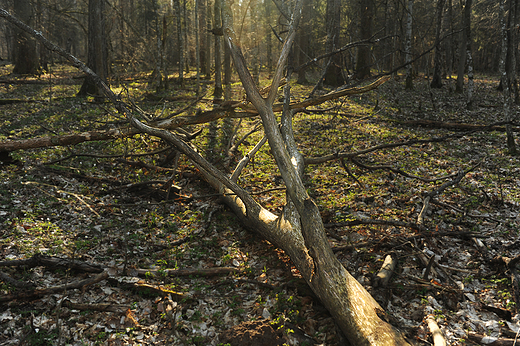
[
  {"x": 503, "y": 50},
  {"x": 333, "y": 75},
  {"x": 227, "y": 81},
  {"x": 268, "y": 38},
  {"x": 25, "y": 53},
  {"x": 180, "y": 41},
  {"x": 203, "y": 40},
  {"x": 97, "y": 55},
  {"x": 217, "y": 27},
  {"x": 300, "y": 231},
  {"x": 463, "y": 47},
  {"x": 304, "y": 40},
  {"x": 408, "y": 46},
  {"x": 437, "y": 80},
  {"x": 469, "y": 56},
  {"x": 510, "y": 84},
  {"x": 364, "y": 52},
  {"x": 449, "y": 40},
  {"x": 197, "y": 45},
  {"x": 255, "y": 65}
]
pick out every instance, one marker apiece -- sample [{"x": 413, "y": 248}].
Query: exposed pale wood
[
  {"x": 352, "y": 307},
  {"x": 438, "y": 338},
  {"x": 384, "y": 274}
]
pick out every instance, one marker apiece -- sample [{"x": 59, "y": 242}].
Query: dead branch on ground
[
  {"x": 53, "y": 290},
  {"x": 53, "y": 263}
]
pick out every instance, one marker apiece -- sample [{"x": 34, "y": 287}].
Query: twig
[
  {"x": 350, "y": 173},
  {"x": 245, "y": 160},
  {"x": 438, "y": 191}
]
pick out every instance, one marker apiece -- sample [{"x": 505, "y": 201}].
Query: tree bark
[
  {"x": 25, "y": 54},
  {"x": 180, "y": 41},
  {"x": 333, "y": 75},
  {"x": 511, "y": 83},
  {"x": 268, "y": 38},
  {"x": 203, "y": 40},
  {"x": 300, "y": 231},
  {"x": 305, "y": 241},
  {"x": 408, "y": 46},
  {"x": 463, "y": 47},
  {"x": 364, "y": 52},
  {"x": 437, "y": 80},
  {"x": 304, "y": 40},
  {"x": 217, "y": 26},
  {"x": 97, "y": 49},
  {"x": 469, "y": 55}
]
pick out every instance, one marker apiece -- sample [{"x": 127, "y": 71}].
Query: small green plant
[{"x": 43, "y": 338}]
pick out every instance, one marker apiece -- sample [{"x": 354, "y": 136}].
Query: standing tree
[
  {"x": 204, "y": 51},
  {"x": 333, "y": 75},
  {"x": 463, "y": 47},
  {"x": 437, "y": 80},
  {"x": 25, "y": 54},
  {"x": 365, "y": 29},
  {"x": 469, "y": 56},
  {"x": 408, "y": 46},
  {"x": 217, "y": 31},
  {"x": 97, "y": 55},
  {"x": 510, "y": 84}
]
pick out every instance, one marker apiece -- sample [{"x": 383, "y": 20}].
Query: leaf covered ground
[{"x": 134, "y": 208}]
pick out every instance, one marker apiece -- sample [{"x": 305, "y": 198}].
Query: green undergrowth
[{"x": 72, "y": 201}]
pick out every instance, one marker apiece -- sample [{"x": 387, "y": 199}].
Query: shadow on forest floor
[{"x": 182, "y": 271}]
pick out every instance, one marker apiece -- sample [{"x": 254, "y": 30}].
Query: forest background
[{"x": 403, "y": 138}]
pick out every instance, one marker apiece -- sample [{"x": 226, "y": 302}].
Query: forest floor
[{"x": 148, "y": 262}]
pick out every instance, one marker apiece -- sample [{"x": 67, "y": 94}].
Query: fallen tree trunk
[{"x": 299, "y": 231}]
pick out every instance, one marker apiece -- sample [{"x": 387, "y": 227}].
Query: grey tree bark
[
  {"x": 408, "y": 46},
  {"x": 268, "y": 37},
  {"x": 437, "y": 80},
  {"x": 463, "y": 47},
  {"x": 333, "y": 75},
  {"x": 469, "y": 55},
  {"x": 299, "y": 231},
  {"x": 511, "y": 82},
  {"x": 205, "y": 69},
  {"x": 97, "y": 56},
  {"x": 217, "y": 30},
  {"x": 180, "y": 40},
  {"x": 25, "y": 54},
  {"x": 363, "y": 61}
]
